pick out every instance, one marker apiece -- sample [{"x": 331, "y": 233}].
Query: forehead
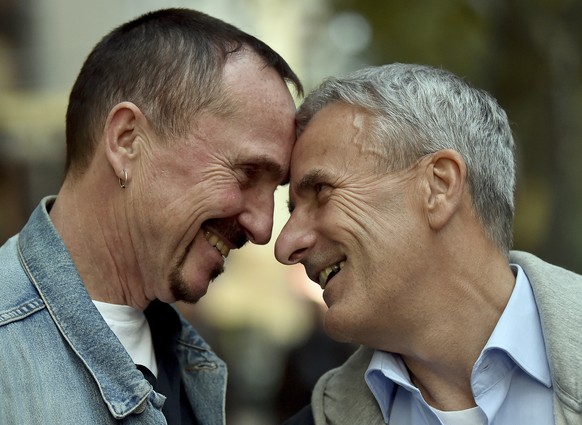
[
  {"x": 335, "y": 137},
  {"x": 249, "y": 82},
  {"x": 262, "y": 101},
  {"x": 258, "y": 123}
]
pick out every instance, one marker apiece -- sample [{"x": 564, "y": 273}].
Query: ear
[
  {"x": 122, "y": 128},
  {"x": 446, "y": 174}
]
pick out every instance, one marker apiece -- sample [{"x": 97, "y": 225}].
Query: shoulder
[
  {"x": 18, "y": 297},
  {"x": 194, "y": 348},
  {"x": 558, "y": 292},
  {"x": 537, "y": 269},
  {"x": 558, "y": 295},
  {"x": 342, "y": 395},
  {"x": 353, "y": 368}
]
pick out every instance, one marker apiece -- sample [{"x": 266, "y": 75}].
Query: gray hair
[{"x": 418, "y": 110}]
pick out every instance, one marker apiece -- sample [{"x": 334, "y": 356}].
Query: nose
[
  {"x": 294, "y": 242},
  {"x": 257, "y": 217}
]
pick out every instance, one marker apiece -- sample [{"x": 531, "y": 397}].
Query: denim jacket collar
[{"x": 122, "y": 386}]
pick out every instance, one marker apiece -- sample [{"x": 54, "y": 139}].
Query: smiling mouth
[
  {"x": 329, "y": 272},
  {"x": 217, "y": 243}
]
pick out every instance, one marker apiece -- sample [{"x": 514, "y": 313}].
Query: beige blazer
[{"x": 341, "y": 396}]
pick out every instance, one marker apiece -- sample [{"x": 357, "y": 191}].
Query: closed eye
[
  {"x": 263, "y": 168},
  {"x": 250, "y": 172},
  {"x": 318, "y": 187},
  {"x": 313, "y": 181},
  {"x": 291, "y": 206}
]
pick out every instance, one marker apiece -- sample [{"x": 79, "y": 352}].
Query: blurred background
[{"x": 263, "y": 318}]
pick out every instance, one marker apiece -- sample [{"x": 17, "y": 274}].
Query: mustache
[{"x": 229, "y": 229}]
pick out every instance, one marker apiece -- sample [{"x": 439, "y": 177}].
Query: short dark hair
[{"x": 169, "y": 63}]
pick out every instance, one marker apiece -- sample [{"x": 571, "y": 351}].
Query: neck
[
  {"x": 443, "y": 350},
  {"x": 92, "y": 228}
]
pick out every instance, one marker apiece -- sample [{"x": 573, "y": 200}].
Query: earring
[{"x": 123, "y": 182}]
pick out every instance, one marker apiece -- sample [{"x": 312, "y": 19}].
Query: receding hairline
[{"x": 231, "y": 85}]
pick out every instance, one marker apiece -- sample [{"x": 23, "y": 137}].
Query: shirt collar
[
  {"x": 518, "y": 333},
  {"x": 57, "y": 280},
  {"x": 385, "y": 373}
]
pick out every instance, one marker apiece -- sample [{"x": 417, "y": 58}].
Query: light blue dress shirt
[{"x": 510, "y": 380}]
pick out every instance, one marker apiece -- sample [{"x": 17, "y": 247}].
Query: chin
[
  {"x": 337, "y": 327},
  {"x": 186, "y": 295},
  {"x": 190, "y": 290},
  {"x": 186, "y": 292}
]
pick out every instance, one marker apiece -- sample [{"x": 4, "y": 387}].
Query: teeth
[
  {"x": 217, "y": 243},
  {"x": 328, "y": 272}
]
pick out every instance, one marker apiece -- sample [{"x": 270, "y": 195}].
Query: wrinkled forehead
[{"x": 335, "y": 136}]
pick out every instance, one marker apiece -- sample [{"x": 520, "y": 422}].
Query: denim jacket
[{"x": 59, "y": 361}]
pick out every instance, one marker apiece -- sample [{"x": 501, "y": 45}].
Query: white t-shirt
[
  {"x": 133, "y": 331},
  {"x": 473, "y": 416}
]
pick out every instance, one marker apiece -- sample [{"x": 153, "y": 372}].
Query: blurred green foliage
[{"x": 528, "y": 54}]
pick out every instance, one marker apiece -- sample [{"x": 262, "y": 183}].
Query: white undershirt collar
[{"x": 133, "y": 331}]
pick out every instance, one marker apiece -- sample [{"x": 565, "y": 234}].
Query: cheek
[
  {"x": 352, "y": 219},
  {"x": 354, "y": 233},
  {"x": 353, "y": 310},
  {"x": 224, "y": 201},
  {"x": 213, "y": 197}
]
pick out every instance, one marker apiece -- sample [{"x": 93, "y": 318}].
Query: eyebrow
[
  {"x": 309, "y": 180},
  {"x": 264, "y": 163}
]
